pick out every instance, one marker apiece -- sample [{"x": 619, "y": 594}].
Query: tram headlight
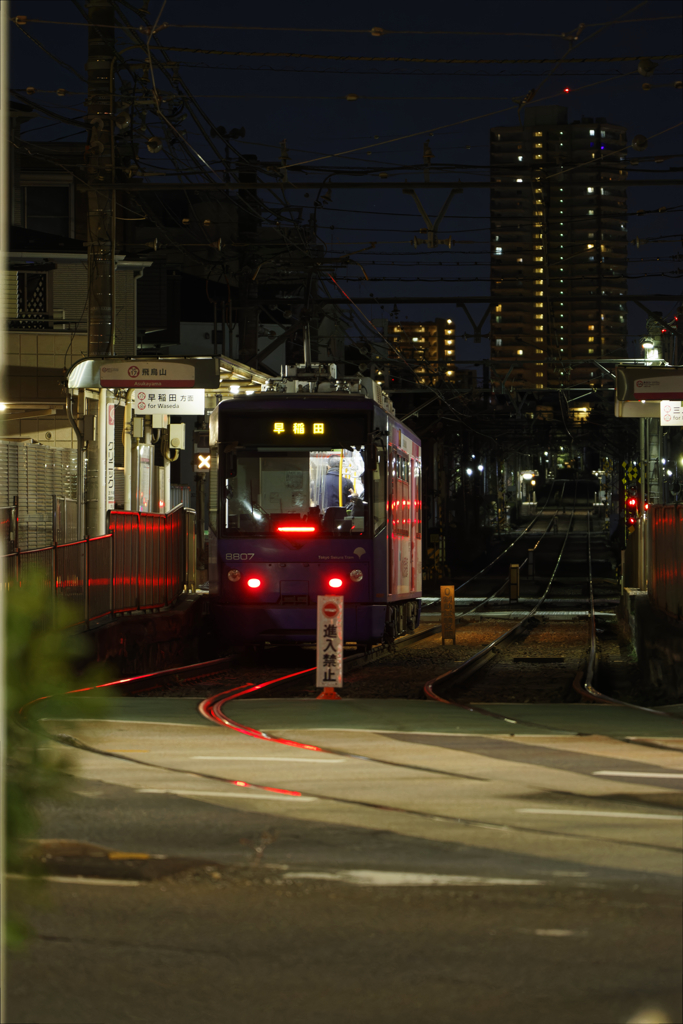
[
  {"x": 335, "y": 582},
  {"x": 356, "y": 575},
  {"x": 254, "y": 582},
  {"x": 234, "y": 575}
]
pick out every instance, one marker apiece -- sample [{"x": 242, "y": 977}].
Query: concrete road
[{"x": 450, "y": 870}]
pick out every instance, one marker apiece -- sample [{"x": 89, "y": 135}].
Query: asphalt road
[
  {"x": 533, "y": 873},
  {"x": 256, "y": 949}
]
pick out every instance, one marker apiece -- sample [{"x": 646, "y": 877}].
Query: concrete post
[
  {"x": 514, "y": 582},
  {"x": 128, "y": 451},
  {"x": 100, "y": 168}
]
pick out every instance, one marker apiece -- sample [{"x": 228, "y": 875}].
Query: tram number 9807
[{"x": 239, "y": 556}]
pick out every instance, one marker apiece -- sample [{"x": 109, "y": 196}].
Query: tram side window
[
  {"x": 418, "y": 498},
  {"x": 379, "y": 491},
  {"x": 213, "y": 491}
]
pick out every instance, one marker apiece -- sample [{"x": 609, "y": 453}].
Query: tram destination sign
[{"x": 305, "y": 429}]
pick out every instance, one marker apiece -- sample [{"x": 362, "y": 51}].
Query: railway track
[
  {"x": 439, "y": 689},
  {"x": 215, "y": 709},
  {"x": 585, "y": 680}
]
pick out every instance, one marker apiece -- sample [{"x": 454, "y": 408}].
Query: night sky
[{"x": 452, "y": 106}]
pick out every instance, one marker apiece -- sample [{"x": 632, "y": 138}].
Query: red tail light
[
  {"x": 335, "y": 583},
  {"x": 254, "y": 582},
  {"x": 296, "y": 529}
]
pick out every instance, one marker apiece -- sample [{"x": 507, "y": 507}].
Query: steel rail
[
  {"x": 510, "y": 546},
  {"x": 487, "y": 653}
]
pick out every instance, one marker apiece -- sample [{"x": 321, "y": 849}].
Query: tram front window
[{"x": 273, "y": 489}]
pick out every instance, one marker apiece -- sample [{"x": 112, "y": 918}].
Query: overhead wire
[
  {"x": 409, "y": 60},
  {"x": 376, "y": 32}
]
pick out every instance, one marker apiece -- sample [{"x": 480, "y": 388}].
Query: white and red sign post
[{"x": 330, "y": 646}]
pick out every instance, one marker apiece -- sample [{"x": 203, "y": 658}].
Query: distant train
[{"x": 315, "y": 488}]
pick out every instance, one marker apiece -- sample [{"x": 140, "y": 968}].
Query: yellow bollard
[{"x": 447, "y": 614}]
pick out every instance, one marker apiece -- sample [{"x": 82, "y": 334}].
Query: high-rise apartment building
[
  {"x": 558, "y": 244},
  {"x": 429, "y": 348}
]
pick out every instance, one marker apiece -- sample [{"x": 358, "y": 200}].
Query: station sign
[
  {"x": 181, "y": 401},
  {"x": 110, "y": 456},
  {"x": 649, "y": 383},
  {"x": 330, "y": 641},
  {"x": 671, "y": 414},
  {"x": 152, "y": 373}
]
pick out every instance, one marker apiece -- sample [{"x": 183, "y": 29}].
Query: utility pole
[{"x": 100, "y": 169}]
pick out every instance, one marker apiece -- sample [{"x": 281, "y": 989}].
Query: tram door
[{"x": 401, "y": 516}]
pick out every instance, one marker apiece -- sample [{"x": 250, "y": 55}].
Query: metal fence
[
  {"x": 665, "y": 559},
  {"x": 154, "y": 557},
  {"x": 146, "y": 561}
]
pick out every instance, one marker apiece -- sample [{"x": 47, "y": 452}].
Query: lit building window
[
  {"x": 499, "y": 342},
  {"x": 538, "y": 145},
  {"x": 498, "y": 250},
  {"x": 520, "y": 259},
  {"x": 520, "y": 158},
  {"x": 499, "y": 309},
  {"x": 591, "y": 327},
  {"x": 591, "y": 132},
  {"x": 538, "y": 259},
  {"x": 520, "y": 351},
  {"x": 539, "y": 316},
  {"x": 538, "y": 135},
  {"x": 591, "y": 213},
  {"x": 591, "y": 337},
  {"x": 590, "y": 189},
  {"x": 538, "y": 156},
  {"x": 537, "y": 247},
  {"x": 539, "y": 305}
]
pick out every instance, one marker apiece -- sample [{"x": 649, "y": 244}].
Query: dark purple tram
[{"x": 313, "y": 493}]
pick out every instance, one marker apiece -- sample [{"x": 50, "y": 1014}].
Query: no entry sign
[{"x": 330, "y": 649}]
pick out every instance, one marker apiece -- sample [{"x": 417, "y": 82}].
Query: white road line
[
  {"x": 643, "y": 775},
  {"x": 407, "y": 878},
  {"x": 303, "y": 760},
  {"x": 249, "y": 793},
  {"x": 78, "y": 880},
  {"x": 127, "y": 721},
  {"x": 556, "y": 933},
  {"x": 599, "y": 814}
]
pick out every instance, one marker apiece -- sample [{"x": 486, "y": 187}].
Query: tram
[{"x": 315, "y": 488}]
